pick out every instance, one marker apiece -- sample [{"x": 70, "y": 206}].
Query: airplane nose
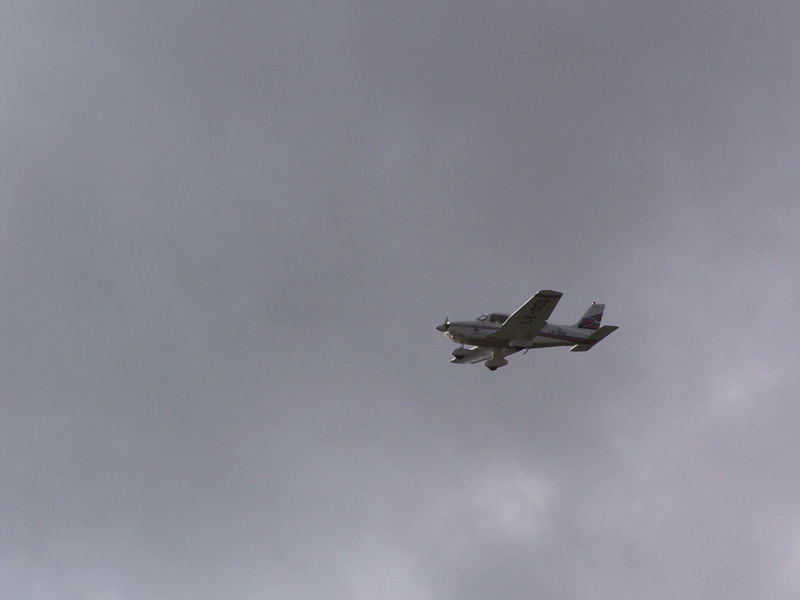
[{"x": 444, "y": 326}]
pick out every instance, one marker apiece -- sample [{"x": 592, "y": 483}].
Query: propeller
[{"x": 444, "y": 326}]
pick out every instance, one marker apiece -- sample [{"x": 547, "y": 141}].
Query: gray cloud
[{"x": 228, "y": 232}]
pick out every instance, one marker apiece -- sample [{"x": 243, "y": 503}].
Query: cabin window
[
  {"x": 497, "y": 318},
  {"x": 482, "y": 318}
]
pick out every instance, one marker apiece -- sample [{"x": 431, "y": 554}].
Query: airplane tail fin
[{"x": 592, "y": 317}]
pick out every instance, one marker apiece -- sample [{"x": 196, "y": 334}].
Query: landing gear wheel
[{"x": 492, "y": 368}]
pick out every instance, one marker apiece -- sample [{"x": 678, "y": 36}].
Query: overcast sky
[{"x": 227, "y": 232}]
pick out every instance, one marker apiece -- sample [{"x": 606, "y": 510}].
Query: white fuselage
[{"x": 476, "y": 333}]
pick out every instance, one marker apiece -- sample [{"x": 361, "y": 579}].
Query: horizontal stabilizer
[
  {"x": 594, "y": 338},
  {"x": 581, "y": 348}
]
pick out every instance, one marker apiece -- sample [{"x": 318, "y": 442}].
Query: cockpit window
[
  {"x": 497, "y": 318},
  {"x": 482, "y": 318}
]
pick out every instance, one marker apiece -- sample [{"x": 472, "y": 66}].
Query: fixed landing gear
[{"x": 492, "y": 368}]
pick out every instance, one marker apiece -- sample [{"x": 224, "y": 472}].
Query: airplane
[{"x": 491, "y": 338}]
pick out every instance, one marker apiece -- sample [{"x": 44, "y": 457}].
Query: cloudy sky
[{"x": 229, "y": 228}]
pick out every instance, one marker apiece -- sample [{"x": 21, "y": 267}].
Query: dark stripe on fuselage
[{"x": 566, "y": 338}]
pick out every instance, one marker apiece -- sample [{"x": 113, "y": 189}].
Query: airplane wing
[
  {"x": 480, "y": 354},
  {"x": 528, "y": 319},
  {"x": 471, "y": 355}
]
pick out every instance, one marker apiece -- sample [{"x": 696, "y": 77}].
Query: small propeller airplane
[{"x": 493, "y": 337}]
